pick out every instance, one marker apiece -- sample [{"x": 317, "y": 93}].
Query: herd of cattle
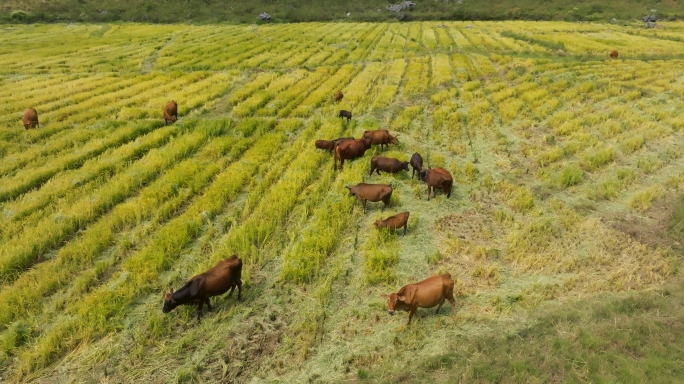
[{"x": 226, "y": 275}]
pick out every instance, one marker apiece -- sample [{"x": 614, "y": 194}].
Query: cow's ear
[
  {"x": 384, "y": 296},
  {"x": 401, "y": 298},
  {"x": 195, "y": 287}
]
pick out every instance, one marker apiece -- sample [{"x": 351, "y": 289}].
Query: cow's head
[
  {"x": 393, "y": 139},
  {"x": 366, "y": 142},
  {"x": 422, "y": 174},
  {"x": 351, "y": 190},
  {"x": 379, "y": 223},
  {"x": 392, "y": 300},
  {"x": 405, "y": 165},
  {"x": 169, "y": 302}
]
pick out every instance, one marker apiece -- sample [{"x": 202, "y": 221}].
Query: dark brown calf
[
  {"x": 425, "y": 294},
  {"x": 439, "y": 178},
  {"x": 387, "y": 164},
  {"x": 325, "y": 144},
  {"x": 339, "y": 95},
  {"x": 171, "y": 112},
  {"x": 345, "y": 114},
  {"x": 30, "y": 119},
  {"x": 341, "y": 140},
  {"x": 330, "y": 145},
  {"x": 614, "y": 54},
  {"x": 371, "y": 192},
  {"x": 417, "y": 165},
  {"x": 350, "y": 149},
  {"x": 394, "y": 222},
  {"x": 216, "y": 281},
  {"x": 380, "y": 136}
]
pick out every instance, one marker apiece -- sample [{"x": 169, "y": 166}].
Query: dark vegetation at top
[{"x": 247, "y": 11}]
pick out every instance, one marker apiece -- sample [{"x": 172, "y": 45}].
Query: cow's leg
[
  {"x": 199, "y": 309},
  {"x": 405, "y": 227},
  {"x": 364, "y": 205},
  {"x": 413, "y": 173},
  {"x": 441, "y": 302},
  {"x": 428, "y": 192},
  {"x": 377, "y": 171},
  {"x": 371, "y": 172},
  {"x": 413, "y": 310},
  {"x": 239, "y": 285},
  {"x": 230, "y": 293},
  {"x": 208, "y": 304}
]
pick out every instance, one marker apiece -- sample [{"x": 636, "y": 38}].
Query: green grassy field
[
  {"x": 247, "y": 11},
  {"x": 563, "y": 231}
]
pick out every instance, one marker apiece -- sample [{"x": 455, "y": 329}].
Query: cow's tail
[{"x": 335, "y": 157}]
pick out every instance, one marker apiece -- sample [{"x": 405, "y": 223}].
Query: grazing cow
[
  {"x": 380, "y": 136},
  {"x": 216, "y": 281},
  {"x": 394, "y": 222},
  {"x": 417, "y": 165},
  {"x": 426, "y": 294},
  {"x": 338, "y": 96},
  {"x": 171, "y": 112},
  {"x": 345, "y": 114},
  {"x": 614, "y": 54},
  {"x": 328, "y": 145},
  {"x": 341, "y": 140},
  {"x": 439, "y": 178},
  {"x": 371, "y": 192},
  {"x": 64, "y": 116},
  {"x": 387, "y": 164},
  {"x": 30, "y": 119},
  {"x": 350, "y": 149}
]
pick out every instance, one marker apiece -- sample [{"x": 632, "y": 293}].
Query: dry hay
[{"x": 544, "y": 258}]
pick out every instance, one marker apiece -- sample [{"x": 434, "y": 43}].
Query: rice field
[{"x": 561, "y": 158}]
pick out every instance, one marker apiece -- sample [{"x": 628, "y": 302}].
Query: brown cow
[
  {"x": 371, "y": 192},
  {"x": 171, "y": 112},
  {"x": 338, "y": 96},
  {"x": 341, "y": 140},
  {"x": 346, "y": 115},
  {"x": 380, "y": 136},
  {"x": 439, "y": 178},
  {"x": 394, "y": 222},
  {"x": 350, "y": 149},
  {"x": 30, "y": 119},
  {"x": 216, "y": 281},
  {"x": 614, "y": 54},
  {"x": 426, "y": 294},
  {"x": 331, "y": 144},
  {"x": 417, "y": 165},
  {"x": 387, "y": 164},
  {"x": 328, "y": 145}
]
